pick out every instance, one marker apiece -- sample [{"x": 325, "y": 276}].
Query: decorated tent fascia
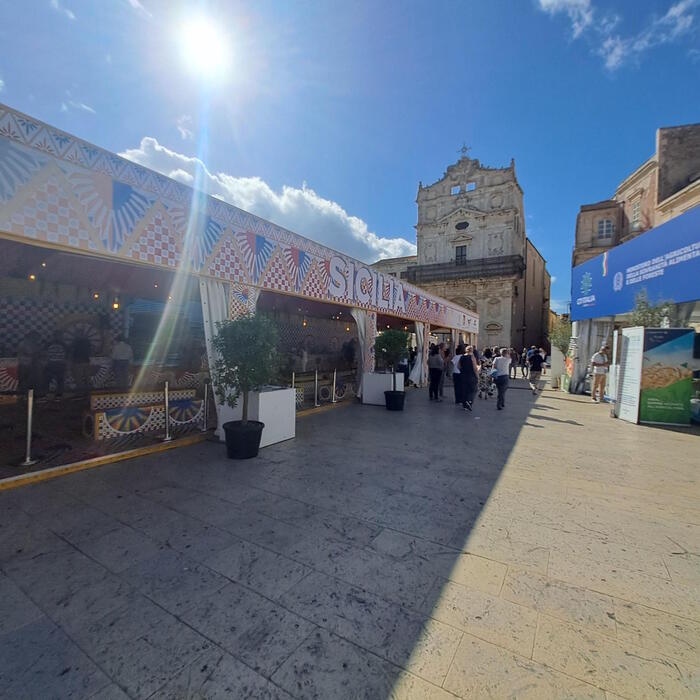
[{"x": 59, "y": 190}]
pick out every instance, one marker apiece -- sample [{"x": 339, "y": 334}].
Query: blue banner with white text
[{"x": 664, "y": 262}]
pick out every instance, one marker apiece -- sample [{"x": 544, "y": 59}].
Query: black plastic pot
[
  {"x": 243, "y": 439},
  {"x": 394, "y": 400}
]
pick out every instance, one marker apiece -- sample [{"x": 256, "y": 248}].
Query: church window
[
  {"x": 461, "y": 255},
  {"x": 455, "y": 189},
  {"x": 470, "y": 186},
  {"x": 605, "y": 228},
  {"x": 461, "y": 225}
]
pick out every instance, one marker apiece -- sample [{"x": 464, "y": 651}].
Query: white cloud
[
  {"x": 56, "y": 5},
  {"x": 301, "y": 210},
  {"x": 136, "y": 5},
  {"x": 184, "y": 126},
  {"x": 580, "y": 12},
  {"x": 2, "y": 84},
  {"x": 617, "y": 49},
  {"x": 553, "y": 279},
  {"x": 81, "y": 106}
]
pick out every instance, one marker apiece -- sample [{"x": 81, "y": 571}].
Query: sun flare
[{"x": 205, "y": 48}]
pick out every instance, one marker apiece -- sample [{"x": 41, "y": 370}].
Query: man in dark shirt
[{"x": 535, "y": 362}]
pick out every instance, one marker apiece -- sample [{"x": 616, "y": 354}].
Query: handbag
[{"x": 493, "y": 373}]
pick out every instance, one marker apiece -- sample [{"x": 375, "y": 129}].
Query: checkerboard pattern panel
[
  {"x": 44, "y": 316},
  {"x": 227, "y": 263},
  {"x": 50, "y": 215},
  {"x": 276, "y": 275},
  {"x": 157, "y": 244},
  {"x": 100, "y": 402},
  {"x": 314, "y": 283}
]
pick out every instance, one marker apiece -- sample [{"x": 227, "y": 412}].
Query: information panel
[
  {"x": 667, "y": 376},
  {"x": 630, "y": 375}
]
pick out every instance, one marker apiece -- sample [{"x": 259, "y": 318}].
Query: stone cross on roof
[{"x": 464, "y": 150}]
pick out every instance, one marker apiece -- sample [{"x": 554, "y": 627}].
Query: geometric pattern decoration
[
  {"x": 298, "y": 264},
  {"x": 20, "y": 316},
  {"x": 156, "y": 242},
  {"x": 242, "y": 300},
  {"x": 57, "y": 188},
  {"x": 226, "y": 262},
  {"x": 315, "y": 283},
  {"x": 275, "y": 275},
  {"x": 256, "y": 252},
  {"x": 50, "y": 213},
  {"x": 101, "y": 402}
]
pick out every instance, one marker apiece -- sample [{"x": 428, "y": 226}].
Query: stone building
[
  {"x": 665, "y": 185},
  {"x": 472, "y": 249}
]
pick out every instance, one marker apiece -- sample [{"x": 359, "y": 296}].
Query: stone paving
[{"x": 546, "y": 551}]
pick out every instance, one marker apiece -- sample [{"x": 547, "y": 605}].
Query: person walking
[
  {"x": 535, "y": 362},
  {"x": 600, "y": 364},
  {"x": 469, "y": 377},
  {"x": 435, "y": 368},
  {"x": 446, "y": 366},
  {"x": 523, "y": 363},
  {"x": 514, "y": 362},
  {"x": 501, "y": 367},
  {"x": 456, "y": 376}
]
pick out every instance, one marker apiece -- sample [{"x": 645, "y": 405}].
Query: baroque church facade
[{"x": 472, "y": 249}]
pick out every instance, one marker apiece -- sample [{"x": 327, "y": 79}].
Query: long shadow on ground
[{"x": 346, "y": 563}]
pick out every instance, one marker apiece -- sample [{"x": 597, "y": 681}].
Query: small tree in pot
[
  {"x": 391, "y": 345},
  {"x": 247, "y": 356}
]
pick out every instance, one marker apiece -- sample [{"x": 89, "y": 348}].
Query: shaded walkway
[{"x": 418, "y": 555}]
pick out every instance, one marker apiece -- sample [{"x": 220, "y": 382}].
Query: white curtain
[
  {"x": 360, "y": 316},
  {"x": 418, "y": 371},
  {"x": 214, "y": 298}
]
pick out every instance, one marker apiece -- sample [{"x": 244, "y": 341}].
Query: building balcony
[{"x": 485, "y": 267}]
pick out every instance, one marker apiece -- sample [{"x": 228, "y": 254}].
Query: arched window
[{"x": 606, "y": 228}]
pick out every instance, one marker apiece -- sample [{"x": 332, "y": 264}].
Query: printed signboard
[
  {"x": 629, "y": 379},
  {"x": 667, "y": 377},
  {"x": 665, "y": 262}
]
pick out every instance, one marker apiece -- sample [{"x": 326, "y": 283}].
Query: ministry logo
[
  {"x": 618, "y": 281},
  {"x": 586, "y": 283}
]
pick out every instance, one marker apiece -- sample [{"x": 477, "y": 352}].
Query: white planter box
[
  {"x": 374, "y": 385},
  {"x": 274, "y": 407}
]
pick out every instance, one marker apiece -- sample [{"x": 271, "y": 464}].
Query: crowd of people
[
  {"x": 43, "y": 365},
  {"x": 474, "y": 373}
]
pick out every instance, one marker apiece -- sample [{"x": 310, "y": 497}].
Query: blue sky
[{"x": 332, "y": 112}]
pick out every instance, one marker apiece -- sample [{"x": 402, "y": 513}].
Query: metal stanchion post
[
  {"x": 28, "y": 461},
  {"x": 333, "y": 399},
  {"x": 316, "y": 403},
  {"x": 205, "y": 408},
  {"x": 293, "y": 379},
  {"x": 167, "y": 437}
]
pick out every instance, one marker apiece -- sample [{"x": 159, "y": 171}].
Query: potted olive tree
[
  {"x": 391, "y": 345},
  {"x": 246, "y": 351}
]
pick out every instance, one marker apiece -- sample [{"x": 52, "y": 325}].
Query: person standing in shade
[
  {"x": 56, "y": 363},
  {"x": 446, "y": 370},
  {"x": 535, "y": 362},
  {"x": 501, "y": 365},
  {"x": 514, "y": 362},
  {"x": 435, "y": 367},
  {"x": 456, "y": 378},
  {"x": 600, "y": 364},
  {"x": 122, "y": 357},
  {"x": 469, "y": 377}
]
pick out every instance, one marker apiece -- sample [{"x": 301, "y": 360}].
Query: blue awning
[{"x": 664, "y": 262}]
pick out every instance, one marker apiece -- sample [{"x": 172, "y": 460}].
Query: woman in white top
[{"x": 501, "y": 366}]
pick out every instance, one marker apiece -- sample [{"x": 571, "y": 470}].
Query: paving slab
[{"x": 425, "y": 554}]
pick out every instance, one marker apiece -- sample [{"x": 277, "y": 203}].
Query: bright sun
[{"x": 204, "y": 48}]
